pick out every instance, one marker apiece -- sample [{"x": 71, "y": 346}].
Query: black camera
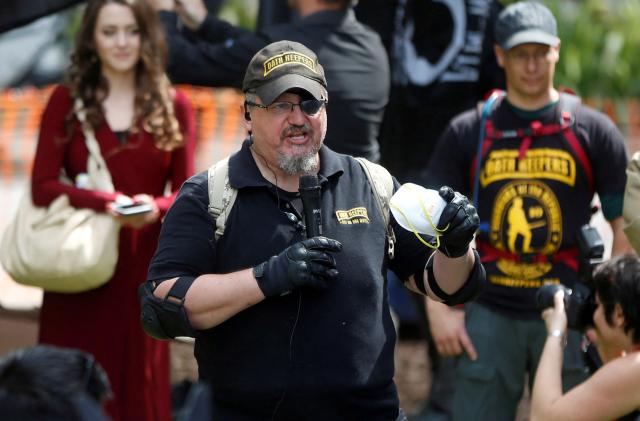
[
  {"x": 591, "y": 249},
  {"x": 579, "y": 303}
]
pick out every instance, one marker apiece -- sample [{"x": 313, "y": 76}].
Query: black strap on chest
[{"x": 488, "y": 134}]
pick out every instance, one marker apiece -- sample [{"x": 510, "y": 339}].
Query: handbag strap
[{"x": 97, "y": 170}]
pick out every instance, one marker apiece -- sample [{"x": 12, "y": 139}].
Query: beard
[
  {"x": 303, "y": 164},
  {"x": 307, "y": 162}
]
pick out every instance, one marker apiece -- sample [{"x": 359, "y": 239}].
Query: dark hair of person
[
  {"x": 617, "y": 281},
  {"x": 153, "y": 96},
  {"x": 43, "y": 382}
]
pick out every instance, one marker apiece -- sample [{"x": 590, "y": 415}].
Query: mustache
[{"x": 296, "y": 130}]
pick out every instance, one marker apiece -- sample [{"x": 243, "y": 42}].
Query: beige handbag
[
  {"x": 61, "y": 248},
  {"x": 631, "y": 208}
]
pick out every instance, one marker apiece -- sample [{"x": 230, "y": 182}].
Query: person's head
[
  {"x": 286, "y": 94},
  {"x": 124, "y": 38},
  {"x": 528, "y": 48},
  {"x": 50, "y": 383},
  {"x": 617, "y": 290}
]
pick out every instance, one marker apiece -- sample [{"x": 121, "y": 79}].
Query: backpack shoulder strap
[
  {"x": 382, "y": 186},
  {"x": 631, "y": 203},
  {"x": 221, "y": 195},
  {"x": 569, "y": 104},
  {"x": 485, "y": 110}
]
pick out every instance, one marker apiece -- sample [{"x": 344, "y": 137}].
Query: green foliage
[
  {"x": 240, "y": 12},
  {"x": 600, "y": 44}
]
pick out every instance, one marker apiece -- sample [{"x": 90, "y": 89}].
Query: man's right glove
[
  {"x": 306, "y": 263},
  {"x": 459, "y": 220}
]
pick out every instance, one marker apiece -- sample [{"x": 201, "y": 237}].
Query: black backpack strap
[{"x": 485, "y": 110}]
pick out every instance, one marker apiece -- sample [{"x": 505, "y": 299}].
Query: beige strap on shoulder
[
  {"x": 382, "y": 186},
  {"x": 221, "y": 195},
  {"x": 100, "y": 177},
  {"x": 631, "y": 204}
]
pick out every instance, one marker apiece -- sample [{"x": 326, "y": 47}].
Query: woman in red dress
[{"x": 145, "y": 130}]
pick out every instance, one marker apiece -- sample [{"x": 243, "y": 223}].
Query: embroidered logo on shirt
[
  {"x": 288, "y": 58},
  {"x": 357, "y": 215}
]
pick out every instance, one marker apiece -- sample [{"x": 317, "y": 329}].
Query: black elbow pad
[
  {"x": 165, "y": 318},
  {"x": 469, "y": 291}
]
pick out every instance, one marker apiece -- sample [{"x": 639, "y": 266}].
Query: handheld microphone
[{"x": 310, "y": 195}]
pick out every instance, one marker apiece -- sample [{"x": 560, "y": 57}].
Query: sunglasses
[{"x": 310, "y": 107}]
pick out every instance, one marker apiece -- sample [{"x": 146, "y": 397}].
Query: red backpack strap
[
  {"x": 569, "y": 104},
  {"x": 483, "y": 147}
]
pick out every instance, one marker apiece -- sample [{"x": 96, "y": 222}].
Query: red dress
[{"x": 106, "y": 321}]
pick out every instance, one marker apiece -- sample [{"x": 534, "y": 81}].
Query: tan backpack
[{"x": 631, "y": 208}]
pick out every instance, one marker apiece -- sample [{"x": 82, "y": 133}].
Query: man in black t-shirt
[
  {"x": 542, "y": 157},
  {"x": 286, "y": 326},
  {"x": 212, "y": 52}
]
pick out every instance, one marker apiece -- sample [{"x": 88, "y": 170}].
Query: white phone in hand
[{"x": 133, "y": 209}]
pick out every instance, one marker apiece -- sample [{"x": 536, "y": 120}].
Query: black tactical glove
[
  {"x": 459, "y": 220},
  {"x": 307, "y": 263}
]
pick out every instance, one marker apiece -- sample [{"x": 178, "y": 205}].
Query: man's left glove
[{"x": 459, "y": 221}]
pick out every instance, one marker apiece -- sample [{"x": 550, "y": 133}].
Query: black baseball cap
[
  {"x": 526, "y": 22},
  {"x": 282, "y": 66}
]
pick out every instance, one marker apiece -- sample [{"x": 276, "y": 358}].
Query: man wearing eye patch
[{"x": 286, "y": 326}]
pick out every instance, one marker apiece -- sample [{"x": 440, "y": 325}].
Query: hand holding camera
[
  {"x": 458, "y": 223},
  {"x": 577, "y": 303},
  {"x": 306, "y": 263},
  {"x": 555, "y": 317}
]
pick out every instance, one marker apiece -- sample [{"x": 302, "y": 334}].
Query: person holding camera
[{"x": 613, "y": 392}]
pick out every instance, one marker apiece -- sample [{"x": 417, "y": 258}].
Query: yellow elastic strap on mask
[{"x": 426, "y": 215}]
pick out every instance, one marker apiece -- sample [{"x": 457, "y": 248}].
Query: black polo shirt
[{"x": 327, "y": 353}]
